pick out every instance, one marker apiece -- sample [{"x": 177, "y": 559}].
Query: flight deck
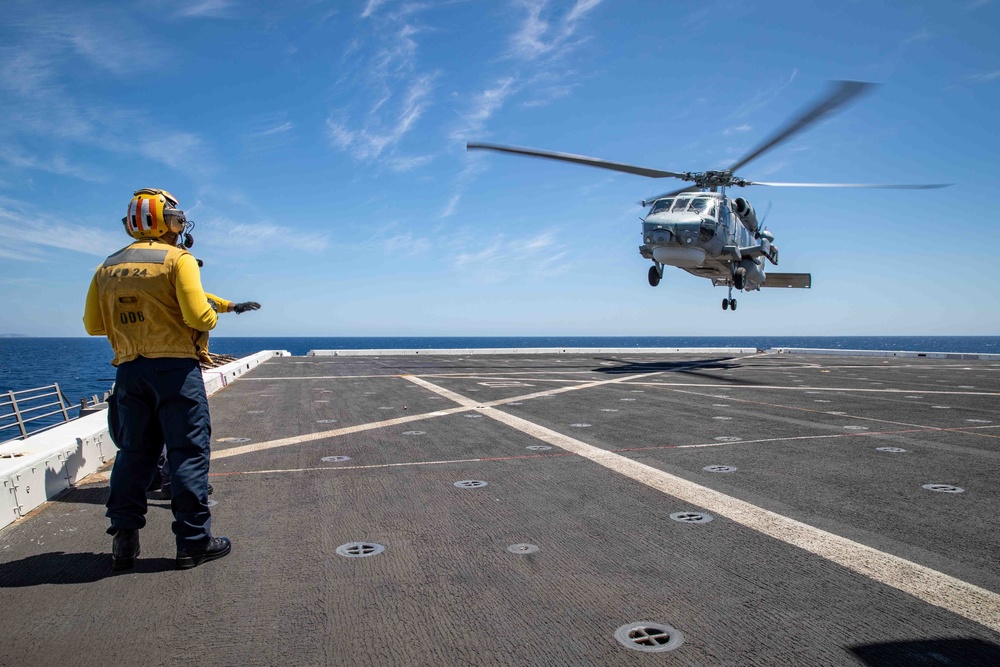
[{"x": 592, "y": 508}]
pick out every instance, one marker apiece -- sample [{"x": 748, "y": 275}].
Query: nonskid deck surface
[{"x": 823, "y": 544}]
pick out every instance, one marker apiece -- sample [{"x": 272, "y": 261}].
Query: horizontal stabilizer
[{"x": 803, "y": 280}]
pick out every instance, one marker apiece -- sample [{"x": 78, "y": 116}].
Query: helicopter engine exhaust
[{"x": 746, "y": 214}]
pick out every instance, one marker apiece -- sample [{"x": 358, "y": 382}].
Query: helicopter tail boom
[{"x": 797, "y": 280}]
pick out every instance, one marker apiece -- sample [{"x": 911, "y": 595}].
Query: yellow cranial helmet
[{"x": 148, "y": 214}]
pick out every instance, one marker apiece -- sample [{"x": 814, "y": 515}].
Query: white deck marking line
[
  {"x": 804, "y": 387},
  {"x": 933, "y": 587},
  {"x": 464, "y": 403},
  {"x": 321, "y": 435},
  {"x": 848, "y": 416}
]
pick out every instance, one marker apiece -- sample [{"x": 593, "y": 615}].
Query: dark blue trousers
[{"x": 157, "y": 401}]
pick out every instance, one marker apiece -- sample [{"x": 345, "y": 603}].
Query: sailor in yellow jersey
[
  {"x": 161, "y": 481},
  {"x": 148, "y": 300}
]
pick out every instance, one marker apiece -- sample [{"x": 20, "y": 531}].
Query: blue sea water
[{"x": 82, "y": 366}]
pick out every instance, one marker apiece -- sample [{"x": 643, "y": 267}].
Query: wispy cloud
[
  {"x": 764, "y": 97},
  {"x": 378, "y": 135},
  {"x": 451, "y": 207},
  {"x": 736, "y": 129},
  {"x": 404, "y": 164},
  {"x": 55, "y": 165},
  {"x": 976, "y": 4},
  {"x": 482, "y": 106},
  {"x": 536, "y": 255},
  {"x": 260, "y": 236},
  {"x": 205, "y": 8},
  {"x": 542, "y": 36},
  {"x": 277, "y": 129},
  {"x": 31, "y": 232},
  {"x": 371, "y": 8},
  {"x": 983, "y": 77}
]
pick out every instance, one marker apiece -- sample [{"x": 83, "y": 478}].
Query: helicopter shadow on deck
[
  {"x": 957, "y": 652},
  {"x": 695, "y": 368}
]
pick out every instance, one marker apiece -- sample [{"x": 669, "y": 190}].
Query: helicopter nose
[{"x": 659, "y": 237}]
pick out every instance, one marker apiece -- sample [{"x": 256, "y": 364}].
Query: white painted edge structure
[
  {"x": 884, "y": 353},
  {"x": 44, "y": 465},
  {"x": 534, "y": 350}
]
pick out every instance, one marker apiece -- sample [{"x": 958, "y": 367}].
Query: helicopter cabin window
[{"x": 661, "y": 205}]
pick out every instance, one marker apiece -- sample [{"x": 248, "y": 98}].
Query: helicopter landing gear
[
  {"x": 739, "y": 279},
  {"x": 729, "y": 303},
  {"x": 655, "y": 273}
]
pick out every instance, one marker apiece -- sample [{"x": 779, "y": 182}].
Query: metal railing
[{"x": 19, "y": 410}]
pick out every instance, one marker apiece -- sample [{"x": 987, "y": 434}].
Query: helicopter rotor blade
[
  {"x": 579, "y": 159},
  {"x": 842, "y": 93},
  {"x": 883, "y": 186},
  {"x": 649, "y": 200}
]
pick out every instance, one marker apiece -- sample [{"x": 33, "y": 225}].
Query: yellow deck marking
[{"x": 935, "y": 588}]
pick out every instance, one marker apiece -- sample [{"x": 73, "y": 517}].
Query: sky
[{"x": 319, "y": 146}]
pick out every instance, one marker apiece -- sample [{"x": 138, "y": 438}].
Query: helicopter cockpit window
[
  {"x": 704, "y": 206},
  {"x": 681, "y": 204},
  {"x": 661, "y": 206}
]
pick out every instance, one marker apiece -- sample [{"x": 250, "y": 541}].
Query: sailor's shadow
[
  {"x": 59, "y": 567},
  {"x": 94, "y": 495},
  {"x": 930, "y": 652}
]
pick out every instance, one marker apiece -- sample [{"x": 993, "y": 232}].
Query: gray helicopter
[{"x": 705, "y": 232}]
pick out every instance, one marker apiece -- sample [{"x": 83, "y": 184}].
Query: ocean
[{"x": 82, "y": 366}]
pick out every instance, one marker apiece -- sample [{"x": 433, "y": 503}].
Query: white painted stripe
[{"x": 936, "y": 588}]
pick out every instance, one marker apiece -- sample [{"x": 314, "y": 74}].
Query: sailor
[
  {"x": 161, "y": 480},
  {"x": 148, "y": 300}
]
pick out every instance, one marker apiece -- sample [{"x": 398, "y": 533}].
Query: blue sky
[{"x": 320, "y": 148}]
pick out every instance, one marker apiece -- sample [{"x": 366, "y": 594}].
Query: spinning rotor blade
[
  {"x": 579, "y": 159},
  {"x": 844, "y": 92},
  {"x": 884, "y": 186},
  {"x": 649, "y": 200}
]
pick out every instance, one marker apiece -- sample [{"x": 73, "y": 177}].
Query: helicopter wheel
[
  {"x": 732, "y": 304},
  {"x": 740, "y": 278},
  {"x": 725, "y": 304},
  {"x": 654, "y": 276}
]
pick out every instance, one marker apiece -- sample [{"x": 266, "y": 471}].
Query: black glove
[{"x": 245, "y": 306}]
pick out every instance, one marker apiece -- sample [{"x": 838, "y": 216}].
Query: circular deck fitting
[
  {"x": 255, "y": 412},
  {"x": 941, "y": 407},
  {"x": 386, "y": 407},
  {"x": 979, "y": 421},
  {"x": 580, "y": 425},
  {"x": 471, "y": 484},
  {"x": 719, "y": 468},
  {"x": 720, "y": 405},
  {"x": 626, "y": 399},
  {"x": 359, "y": 549},
  {"x": 966, "y": 386},
  {"x": 811, "y": 392},
  {"x": 232, "y": 439},
  {"x": 649, "y": 637},
  {"x": 723, "y": 419},
  {"x": 369, "y": 393},
  {"x": 820, "y": 400},
  {"x": 414, "y": 432},
  {"x": 891, "y": 450},
  {"x": 913, "y": 397},
  {"x": 855, "y": 428},
  {"x": 835, "y": 412},
  {"x": 335, "y": 459},
  {"x": 523, "y": 548},
  {"x": 518, "y": 403},
  {"x": 473, "y": 416},
  {"x": 326, "y": 421},
  {"x": 322, "y": 401},
  {"x": 691, "y": 517},
  {"x": 728, "y": 438},
  {"x": 944, "y": 488},
  {"x": 637, "y": 391},
  {"x": 538, "y": 448}
]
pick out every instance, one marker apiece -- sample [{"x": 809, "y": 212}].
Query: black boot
[
  {"x": 217, "y": 547},
  {"x": 124, "y": 549}
]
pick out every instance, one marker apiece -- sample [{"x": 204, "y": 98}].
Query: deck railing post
[
  {"x": 17, "y": 414},
  {"x": 62, "y": 401}
]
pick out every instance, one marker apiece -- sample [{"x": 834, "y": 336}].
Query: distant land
[{"x": 13, "y": 336}]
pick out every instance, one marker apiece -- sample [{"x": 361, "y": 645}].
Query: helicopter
[{"x": 702, "y": 230}]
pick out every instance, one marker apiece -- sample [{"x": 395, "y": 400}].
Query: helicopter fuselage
[{"x": 709, "y": 235}]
